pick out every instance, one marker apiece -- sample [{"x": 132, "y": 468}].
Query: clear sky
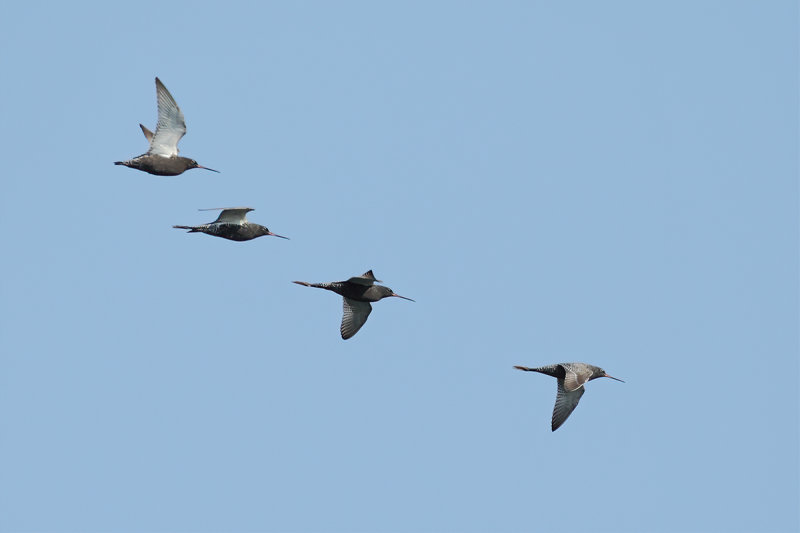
[{"x": 607, "y": 182}]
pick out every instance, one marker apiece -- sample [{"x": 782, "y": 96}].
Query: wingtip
[
  {"x": 303, "y": 283},
  {"x": 147, "y": 133},
  {"x": 224, "y": 208}
]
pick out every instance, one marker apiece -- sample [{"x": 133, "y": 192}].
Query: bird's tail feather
[
  {"x": 316, "y": 285},
  {"x": 192, "y": 229}
]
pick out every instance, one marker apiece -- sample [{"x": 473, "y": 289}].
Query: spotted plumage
[
  {"x": 232, "y": 224},
  {"x": 571, "y": 380},
  {"x": 357, "y": 293}
]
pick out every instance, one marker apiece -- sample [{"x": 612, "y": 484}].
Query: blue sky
[{"x": 614, "y": 183}]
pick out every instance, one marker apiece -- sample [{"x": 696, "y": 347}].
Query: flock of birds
[{"x": 358, "y": 292}]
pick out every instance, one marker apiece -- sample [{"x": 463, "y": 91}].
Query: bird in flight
[
  {"x": 162, "y": 158},
  {"x": 232, "y": 224},
  {"x": 571, "y": 380},
  {"x": 357, "y": 292}
]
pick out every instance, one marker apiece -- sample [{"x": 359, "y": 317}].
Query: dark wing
[
  {"x": 354, "y": 316},
  {"x": 367, "y": 278},
  {"x": 566, "y": 402},
  {"x": 147, "y": 133}
]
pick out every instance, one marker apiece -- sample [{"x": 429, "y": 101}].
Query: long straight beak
[
  {"x": 403, "y": 297},
  {"x": 612, "y": 377},
  {"x": 206, "y": 168},
  {"x": 276, "y": 235}
]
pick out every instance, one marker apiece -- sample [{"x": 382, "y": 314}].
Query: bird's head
[
  {"x": 263, "y": 230},
  {"x": 602, "y": 374},
  {"x": 193, "y": 164},
  {"x": 385, "y": 292}
]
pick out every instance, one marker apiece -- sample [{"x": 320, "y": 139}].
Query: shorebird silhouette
[
  {"x": 232, "y": 224},
  {"x": 357, "y": 292},
  {"x": 162, "y": 158},
  {"x": 571, "y": 380}
]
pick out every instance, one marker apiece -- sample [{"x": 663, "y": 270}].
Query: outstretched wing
[
  {"x": 354, "y": 316},
  {"x": 171, "y": 126},
  {"x": 566, "y": 402}
]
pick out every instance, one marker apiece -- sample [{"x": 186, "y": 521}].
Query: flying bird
[
  {"x": 162, "y": 158},
  {"x": 357, "y": 292},
  {"x": 232, "y": 224},
  {"x": 571, "y": 380}
]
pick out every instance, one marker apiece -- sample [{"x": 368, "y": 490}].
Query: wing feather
[
  {"x": 566, "y": 402},
  {"x": 354, "y": 316},
  {"x": 367, "y": 278},
  {"x": 234, "y": 215},
  {"x": 574, "y": 378},
  {"x": 171, "y": 125}
]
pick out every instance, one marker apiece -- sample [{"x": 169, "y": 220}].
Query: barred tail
[
  {"x": 315, "y": 285},
  {"x": 550, "y": 370},
  {"x": 192, "y": 229}
]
